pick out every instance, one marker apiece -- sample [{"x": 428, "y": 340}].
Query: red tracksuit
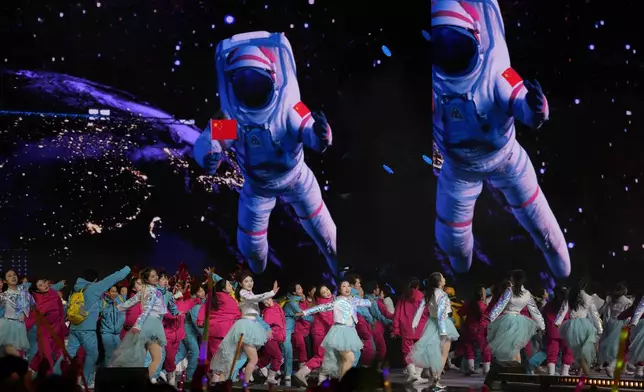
[
  {"x": 131, "y": 315},
  {"x": 473, "y": 332},
  {"x": 554, "y": 342},
  {"x": 51, "y": 307},
  {"x": 221, "y": 320},
  {"x": 272, "y": 354},
  {"x": 175, "y": 331},
  {"x": 379, "y": 332},
  {"x": 403, "y": 317},
  {"x": 322, "y": 323},
  {"x": 302, "y": 330},
  {"x": 364, "y": 332}
]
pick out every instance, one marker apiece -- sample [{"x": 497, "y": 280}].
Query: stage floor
[{"x": 454, "y": 381}]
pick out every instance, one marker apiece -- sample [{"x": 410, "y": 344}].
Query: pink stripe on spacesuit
[
  {"x": 529, "y": 201},
  {"x": 451, "y": 14},
  {"x": 268, "y": 53},
  {"x": 253, "y": 233},
  {"x": 249, "y": 57},
  {"x": 515, "y": 93},
  {"x": 454, "y": 224},
  {"x": 314, "y": 213},
  {"x": 300, "y": 131}
]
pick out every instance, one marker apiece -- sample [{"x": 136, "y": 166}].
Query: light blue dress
[
  {"x": 426, "y": 352},
  {"x": 342, "y": 336},
  {"x": 16, "y": 304},
  {"x": 582, "y": 330},
  {"x": 636, "y": 344},
  {"x": 132, "y": 350}
]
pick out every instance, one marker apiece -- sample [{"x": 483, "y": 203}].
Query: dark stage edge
[{"x": 456, "y": 382}]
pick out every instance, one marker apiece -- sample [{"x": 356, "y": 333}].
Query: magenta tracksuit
[
  {"x": 322, "y": 323},
  {"x": 379, "y": 331},
  {"x": 554, "y": 342},
  {"x": 302, "y": 330},
  {"x": 364, "y": 332},
  {"x": 131, "y": 315},
  {"x": 221, "y": 320},
  {"x": 272, "y": 354},
  {"x": 403, "y": 317},
  {"x": 473, "y": 332},
  {"x": 51, "y": 307},
  {"x": 175, "y": 331}
]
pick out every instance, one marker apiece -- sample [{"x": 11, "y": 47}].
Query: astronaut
[
  {"x": 475, "y": 99},
  {"x": 258, "y": 88}
]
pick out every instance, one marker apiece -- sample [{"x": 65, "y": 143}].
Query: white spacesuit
[
  {"x": 476, "y": 97},
  {"x": 258, "y": 88}
]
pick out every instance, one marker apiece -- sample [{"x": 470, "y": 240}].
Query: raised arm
[
  {"x": 111, "y": 280},
  {"x": 135, "y": 299},
  {"x": 250, "y": 297},
  {"x": 318, "y": 309},
  {"x": 498, "y": 308},
  {"x": 58, "y": 286}
]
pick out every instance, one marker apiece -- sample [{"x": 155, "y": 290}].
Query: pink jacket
[
  {"x": 132, "y": 314},
  {"x": 50, "y": 305},
  {"x": 222, "y": 319},
  {"x": 274, "y": 317},
  {"x": 383, "y": 309},
  {"x": 174, "y": 326},
  {"x": 302, "y": 326},
  {"x": 549, "y": 313},
  {"x": 404, "y": 316},
  {"x": 472, "y": 327},
  {"x": 322, "y": 321}
]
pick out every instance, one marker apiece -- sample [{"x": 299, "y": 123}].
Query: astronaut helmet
[
  {"x": 250, "y": 72},
  {"x": 455, "y": 38}
]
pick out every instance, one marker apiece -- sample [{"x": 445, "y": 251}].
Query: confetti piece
[
  {"x": 388, "y": 169},
  {"x": 427, "y": 160},
  {"x": 386, "y": 51},
  {"x": 426, "y": 35}
]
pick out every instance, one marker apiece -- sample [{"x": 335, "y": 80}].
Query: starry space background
[{"x": 380, "y": 185}]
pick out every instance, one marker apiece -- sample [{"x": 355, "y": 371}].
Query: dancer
[
  {"x": 403, "y": 318},
  {"x": 17, "y": 303},
  {"x": 379, "y": 321},
  {"x": 322, "y": 323},
  {"x": 582, "y": 330},
  {"x": 112, "y": 320},
  {"x": 554, "y": 343},
  {"x": 48, "y": 303},
  {"x": 189, "y": 348},
  {"x": 509, "y": 331},
  {"x": 636, "y": 341},
  {"x": 84, "y": 317},
  {"x": 258, "y": 88},
  {"x": 616, "y": 303},
  {"x": 273, "y": 315},
  {"x": 473, "y": 330},
  {"x": 302, "y": 328},
  {"x": 147, "y": 334},
  {"x": 477, "y": 95},
  {"x": 342, "y": 341},
  {"x": 224, "y": 313},
  {"x": 132, "y": 314},
  {"x": 432, "y": 349},
  {"x": 294, "y": 304},
  {"x": 255, "y": 336}
]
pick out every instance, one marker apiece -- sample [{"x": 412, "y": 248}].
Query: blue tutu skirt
[
  {"x": 636, "y": 345},
  {"x": 580, "y": 336},
  {"x": 508, "y": 334},
  {"x": 609, "y": 342},
  {"x": 132, "y": 351},
  {"x": 426, "y": 352},
  {"x": 13, "y": 333},
  {"x": 340, "y": 338},
  {"x": 254, "y": 335}
]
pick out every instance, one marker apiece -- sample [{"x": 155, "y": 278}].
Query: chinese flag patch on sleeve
[
  {"x": 301, "y": 109},
  {"x": 223, "y": 129},
  {"x": 512, "y": 76}
]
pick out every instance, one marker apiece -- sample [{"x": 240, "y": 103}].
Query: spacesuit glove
[
  {"x": 211, "y": 162},
  {"x": 536, "y": 100},
  {"x": 322, "y": 129}
]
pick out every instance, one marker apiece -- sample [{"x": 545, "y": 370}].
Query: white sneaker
[
  {"x": 172, "y": 379},
  {"x": 287, "y": 382},
  {"x": 411, "y": 373}
]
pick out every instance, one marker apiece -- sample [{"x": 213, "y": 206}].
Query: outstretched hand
[
  {"x": 322, "y": 129},
  {"x": 276, "y": 288},
  {"x": 535, "y": 97}
]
